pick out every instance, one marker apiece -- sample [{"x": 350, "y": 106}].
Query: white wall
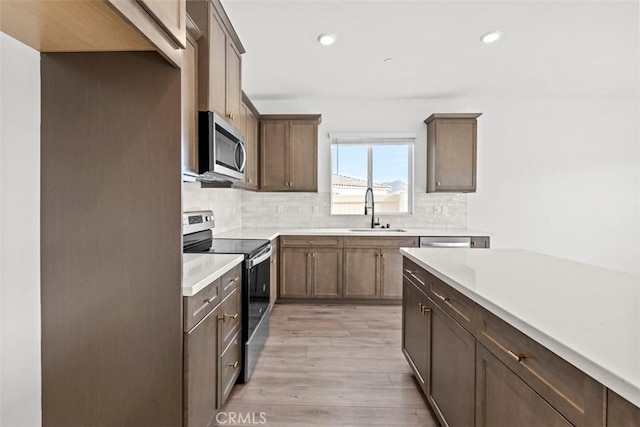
[
  {"x": 20, "y": 385},
  {"x": 559, "y": 176}
]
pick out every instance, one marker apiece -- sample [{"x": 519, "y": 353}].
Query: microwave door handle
[
  {"x": 244, "y": 156},
  {"x": 235, "y": 157}
]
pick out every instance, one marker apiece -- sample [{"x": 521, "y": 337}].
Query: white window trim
[{"x": 371, "y": 139}]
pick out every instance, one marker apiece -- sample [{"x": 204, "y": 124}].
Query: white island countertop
[
  {"x": 589, "y": 316},
  {"x": 199, "y": 270},
  {"x": 271, "y": 233}
]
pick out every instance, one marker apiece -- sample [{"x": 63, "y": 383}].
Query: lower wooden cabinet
[
  {"x": 390, "y": 273},
  {"x": 212, "y": 349},
  {"x": 201, "y": 372},
  {"x": 416, "y": 327},
  {"x": 311, "y": 272},
  {"x": 503, "y": 399},
  {"x": 451, "y": 390},
  {"x": 620, "y": 412},
  {"x": 361, "y": 273}
]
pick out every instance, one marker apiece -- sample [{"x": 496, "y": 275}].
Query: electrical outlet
[
  {"x": 280, "y": 209},
  {"x": 315, "y": 209}
]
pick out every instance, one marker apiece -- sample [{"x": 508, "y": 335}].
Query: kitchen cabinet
[
  {"x": 361, "y": 273},
  {"x": 250, "y": 131},
  {"x": 416, "y": 327},
  {"x": 98, "y": 26},
  {"x": 289, "y": 152},
  {"x": 189, "y": 78},
  {"x": 482, "y": 371},
  {"x": 505, "y": 400},
  {"x": 451, "y": 152},
  {"x": 274, "y": 271},
  {"x": 373, "y": 266},
  {"x": 219, "y": 61},
  {"x": 212, "y": 347},
  {"x": 451, "y": 389},
  {"x": 620, "y": 412},
  {"x": 311, "y": 273}
]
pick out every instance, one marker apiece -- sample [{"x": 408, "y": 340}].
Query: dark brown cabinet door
[
  {"x": 451, "y": 384},
  {"x": 451, "y": 152},
  {"x": 416, "y": 324},
  {"x": 201, "y": 372},
  {"x": 295, "y": 273},
  {"x": 233, "y": 92},
  {"x": 361, "y": 273},
  {"x": 326, "y": 273},
  {"x": 390, "y": 274},
  {"x": 503, "y": 399},
  {"x": 621, "y": 412},
  {"x": 303, "y": 153},
  {"x": 216, "y": 72},
  {"x": 273, "y": 169}
]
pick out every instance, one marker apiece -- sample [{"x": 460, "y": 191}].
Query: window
[{"x": 382, "y": 162}]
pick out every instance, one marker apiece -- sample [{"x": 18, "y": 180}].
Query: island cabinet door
[
  {"x": 503, "y": 399},
  {"x": 391, "y": 274},
  {"x": 451, "y": 390},
  {"x": 416, "y": 318}
]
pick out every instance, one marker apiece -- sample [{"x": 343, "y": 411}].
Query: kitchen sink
[{"x": 389, "y": 230}]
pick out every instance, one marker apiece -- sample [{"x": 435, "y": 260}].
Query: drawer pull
[
  {"x": 234, "y": 365},
  {"x": 517, "y": 357},
  {"x": 425, "y": 310},
  {"x": 440, "y": 297},
  {"x": 420, "y": 305},
  {"x": 212, "y": 299},
  {"x": 232, "y": 281},
  {"x": 224, "y": 317},
  {"x": 408, "y": 271}
]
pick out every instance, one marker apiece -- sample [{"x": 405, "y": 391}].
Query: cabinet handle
[
  {"x": 517, "y": 357},
  {"x": 438, "y": 183},
  {"x": 408, "y": 271},
  {"x": 440, "y": 297},
  {"x": 232, "y": 281},
  {"x": 420, "y": 305},
  {"x": 224, "y": 317},
  {"x": 425, "y": 310},
  {"x": 234, "y": 365},
  {"x": 210, "y": 300}
]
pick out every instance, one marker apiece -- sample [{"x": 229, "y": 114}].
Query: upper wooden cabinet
[
  {"x": 451, "y": 152},
  {"x": 220, "y": 62},
  {"x": 289, "y": 152},
  {"x": 250, "y": 131},
  {"x": 189, "y": 77},
  {"x": 98, "y": 26}
]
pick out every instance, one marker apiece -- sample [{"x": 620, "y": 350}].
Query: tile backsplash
[
  {"x": 237, "y": 208},
  {"x": 226, "y": 204}
]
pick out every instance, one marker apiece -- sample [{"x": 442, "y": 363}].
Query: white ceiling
[{"x": 549, "y": 48}]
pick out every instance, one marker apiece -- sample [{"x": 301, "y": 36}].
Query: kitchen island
[{"x": 529, "y": 338}]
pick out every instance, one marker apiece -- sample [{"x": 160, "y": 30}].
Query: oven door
[{"x": 257, "y": 310}]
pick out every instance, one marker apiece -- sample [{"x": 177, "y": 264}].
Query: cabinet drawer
[
  {"x": 230, "y": 280},
  {"x": 574, "y": 394},
  {"x": 310, "y": 242},
  {"x": 200, "y": 304},
  {"x": 451, "y": 301},
  {"x": 229, "y": 317},
  {"x": 230, "y": 365},
  {"x": 381, "y": 242},
  {"x": 415, "y": 274}
]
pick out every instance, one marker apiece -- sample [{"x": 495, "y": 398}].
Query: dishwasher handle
[{"x": 445, "y": 242}]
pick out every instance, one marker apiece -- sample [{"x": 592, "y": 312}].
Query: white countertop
[
  {"x": 272, "y": 233},
  {"x": 199, "y": 270},
  {"x": 589, "y": 316}
]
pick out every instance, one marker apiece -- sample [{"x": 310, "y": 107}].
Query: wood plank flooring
[{"x": 331, "y": 365}]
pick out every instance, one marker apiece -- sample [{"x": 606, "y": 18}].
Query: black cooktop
[{"x": 202, "y": 242}]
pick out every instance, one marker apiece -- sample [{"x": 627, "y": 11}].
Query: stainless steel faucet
[{"x": 372, "y": 207}]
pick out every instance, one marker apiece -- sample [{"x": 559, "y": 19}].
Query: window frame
[{"x": 371, "y": 140}]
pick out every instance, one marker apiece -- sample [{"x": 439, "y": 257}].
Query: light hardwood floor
[{"x": 332, "y": 365}]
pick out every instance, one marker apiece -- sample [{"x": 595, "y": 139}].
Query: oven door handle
[{"x": 261, "y": 258}]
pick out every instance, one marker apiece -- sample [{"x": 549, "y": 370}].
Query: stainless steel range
[{"x": 198, "y": 237}]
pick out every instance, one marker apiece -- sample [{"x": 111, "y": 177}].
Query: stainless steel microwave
[{"x": 221, "y": 148}]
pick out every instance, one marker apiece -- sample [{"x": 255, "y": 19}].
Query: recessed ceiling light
[
  {"x": 491, "y": 37},
  {"x": 388, "y": 60},
  {"x": 327, "y": 39}
]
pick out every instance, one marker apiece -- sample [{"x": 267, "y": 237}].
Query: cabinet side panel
[{"x": 111, "y": 240}]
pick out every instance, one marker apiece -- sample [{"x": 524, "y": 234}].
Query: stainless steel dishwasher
[{"x": 445, "y": 242}]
